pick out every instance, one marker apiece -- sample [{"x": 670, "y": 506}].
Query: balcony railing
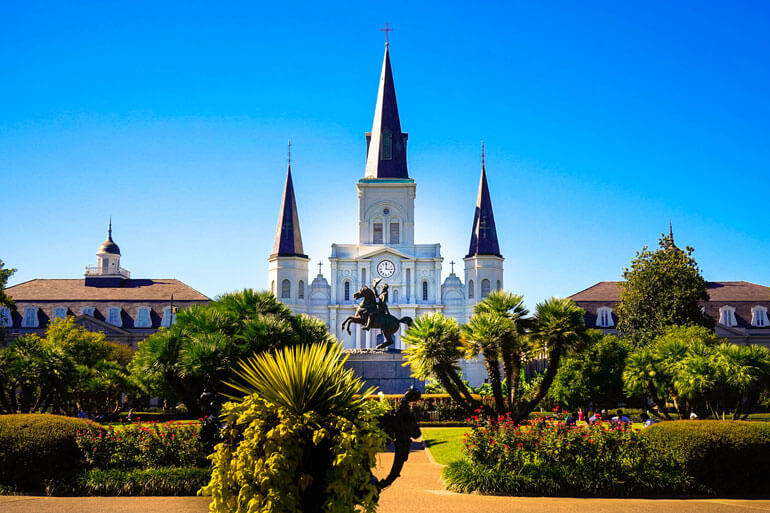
[{"x": 93, "y": 270}]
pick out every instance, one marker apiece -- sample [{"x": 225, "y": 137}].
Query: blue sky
[{"x": 602, "y": 122}]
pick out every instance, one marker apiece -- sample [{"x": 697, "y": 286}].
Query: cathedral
[{"x": 386, "y": 248}]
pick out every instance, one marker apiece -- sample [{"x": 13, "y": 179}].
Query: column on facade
[{"x": 358, "y": 336}]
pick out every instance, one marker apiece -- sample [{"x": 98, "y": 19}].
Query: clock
[{"x": 386, "y": 268}]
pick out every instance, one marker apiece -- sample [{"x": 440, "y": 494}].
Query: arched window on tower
[
  {"x": 470, "y": 289},
  {"x": 395, "y": 232},
  {"x": 484, "y": 287},
  {"x": 377, "y": 235},
  {"x": 347, "y": 291},
  {"x": 424, "y": 290},
  {"x": 285, "y": 289},
  {"x": 301, "y": 290},
  {"x": 498, "y": 285}
]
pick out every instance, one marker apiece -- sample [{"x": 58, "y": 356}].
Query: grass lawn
[{"x": 445, "y": 444}]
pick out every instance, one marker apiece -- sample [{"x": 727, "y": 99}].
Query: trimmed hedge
[
  {"x": 721, "y": 457},
  {"x": 695, "y": 458},
  {"x": 39, "y": 450},
  {"x": 156, "y": 481}
]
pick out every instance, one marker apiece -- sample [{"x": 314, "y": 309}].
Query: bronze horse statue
[{"x": 387, "y": 324}]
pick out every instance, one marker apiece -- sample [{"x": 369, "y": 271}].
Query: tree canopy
[
  {"x": 205, "y": 343},
  {"x": 6, "y": 301},
  {"x": 662, "y": 288}
]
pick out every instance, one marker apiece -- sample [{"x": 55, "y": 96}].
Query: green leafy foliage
[
  {"x": 718, "y": 458},
  {"x": 166, "y": 481},
  {"x": 662, "y": 288},
  {"x": 69, "y": 371},
  {"x": 310, "y": 450},
  {"x": 156, "y": 445},
  {"x": 5, "y": 274},
  {"x": 692, "y": 368},
  {"x": 38, "y": 450},
  {"x": 205, "y": 343},
  {"x": 592, "y": 375}
]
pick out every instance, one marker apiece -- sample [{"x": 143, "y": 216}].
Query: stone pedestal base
[{"x": 383, "y": 369}]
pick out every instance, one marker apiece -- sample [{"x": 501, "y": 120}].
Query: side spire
[
  {"x": 288, "y": 240},
  {"x": 386, "y": 144},
  {"x": 484, "y": 232}
]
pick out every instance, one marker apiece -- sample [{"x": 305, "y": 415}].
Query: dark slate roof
[
  {"x": 484, "y": 232},
  {"x": 130, "y": 290},
  {"x": 386, "y": 122},
  {"x": 288, "y": 240},
  {"x": 719, "y": 291}
]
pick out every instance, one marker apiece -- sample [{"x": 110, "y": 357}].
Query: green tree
[
  {"x": 6, "y": 301},
  {"x": 662, "y": 288},
  {"x": 433, "y": 351},
  {"x": 593, "y": 375},
  {"x": 70, "y": 370},
  {"x": 515, "y": 346},
  {"x": 691, "y": 368},
  {"x": 202, "y": 347},
  {"x": 558, "y": 328}
]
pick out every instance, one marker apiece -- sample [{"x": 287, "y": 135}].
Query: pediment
[
  {"x": 94, "y": 324},
  {"x": 385, "y": 250}
]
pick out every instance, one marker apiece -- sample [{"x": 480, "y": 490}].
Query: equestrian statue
[{"x": 373, "y": 313}]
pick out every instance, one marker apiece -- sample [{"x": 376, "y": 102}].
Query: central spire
[{"x": 386, "y": 144}]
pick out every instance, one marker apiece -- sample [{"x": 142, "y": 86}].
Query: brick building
[
  {"x": 107, "y": 299},
  {"x": 738, "y": 307}
]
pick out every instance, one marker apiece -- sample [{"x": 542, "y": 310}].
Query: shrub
[
  {"x": 157, "y": 445},
  {"x": 156, "y": 481},
  {"x": 37, "y": 449},
  {"x": 304, "y": 441},
  {"x": 547, "y": 457},
  {"x": 722, "y": 457}
]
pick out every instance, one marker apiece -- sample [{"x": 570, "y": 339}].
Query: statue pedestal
[{"x": 382, "y": 369}]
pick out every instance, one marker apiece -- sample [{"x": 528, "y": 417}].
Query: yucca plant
[
  {"x": 299, "y": 438},
  {"x": 301, "y": 379}
]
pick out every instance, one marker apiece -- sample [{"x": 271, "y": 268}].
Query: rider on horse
[{"x": 382, "y": 305}]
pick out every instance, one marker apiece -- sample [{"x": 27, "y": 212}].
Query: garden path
[{"x": 418, "y": 491}]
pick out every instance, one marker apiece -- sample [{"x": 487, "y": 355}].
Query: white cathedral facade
[{"x": 386, "y": 248}]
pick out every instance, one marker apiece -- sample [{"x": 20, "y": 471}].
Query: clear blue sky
[{"x": 602, "y": 122}]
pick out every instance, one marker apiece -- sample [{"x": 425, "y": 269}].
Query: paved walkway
[{"x": 419, "y": 490}]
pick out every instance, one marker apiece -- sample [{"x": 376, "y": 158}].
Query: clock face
[{"x": 386, "y": 269}]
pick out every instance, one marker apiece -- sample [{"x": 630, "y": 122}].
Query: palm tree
[
  {"x": 558, "y": 326},
  {"x": 485, "y": 334},
  {"x": 433, "y": 350},
  {"x": 514, "y": 346}
]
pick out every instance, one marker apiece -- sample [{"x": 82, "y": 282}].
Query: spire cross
[
  {"x": 482, "y": 154},
  {"x": 386, "y": 30},
  {"x": 452, "y": 263},
  {"x": 289, "y": 152},
  {"x": 319, "y": 267},
  {"x": 109, "y": 229}
]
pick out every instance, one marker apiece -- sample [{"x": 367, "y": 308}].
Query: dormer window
[
  {"x": 759, "y": 317},
  {"x": 113, "y": 316},
  {"x": 604, "y": 317},
  {"x": 30, "y": 318},
  {"x": 727, "y": 316},
  {"x": 386, "y": 152},
  {"x": 60, "y": 312},
  {"x": 87, "y": 310},
  {"x": 6, "y": 321},
  {"x": 143, "y": 318},
  {"x": 168, "y": 319},
  {"x": 377, "y": 233}
]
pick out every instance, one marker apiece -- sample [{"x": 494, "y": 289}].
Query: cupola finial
[{"x": 109, "y": 229}]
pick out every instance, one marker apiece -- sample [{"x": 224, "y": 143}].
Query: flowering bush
[
  {"x": 546, "y": 456},
  {"x": 155, "y": 445}
]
